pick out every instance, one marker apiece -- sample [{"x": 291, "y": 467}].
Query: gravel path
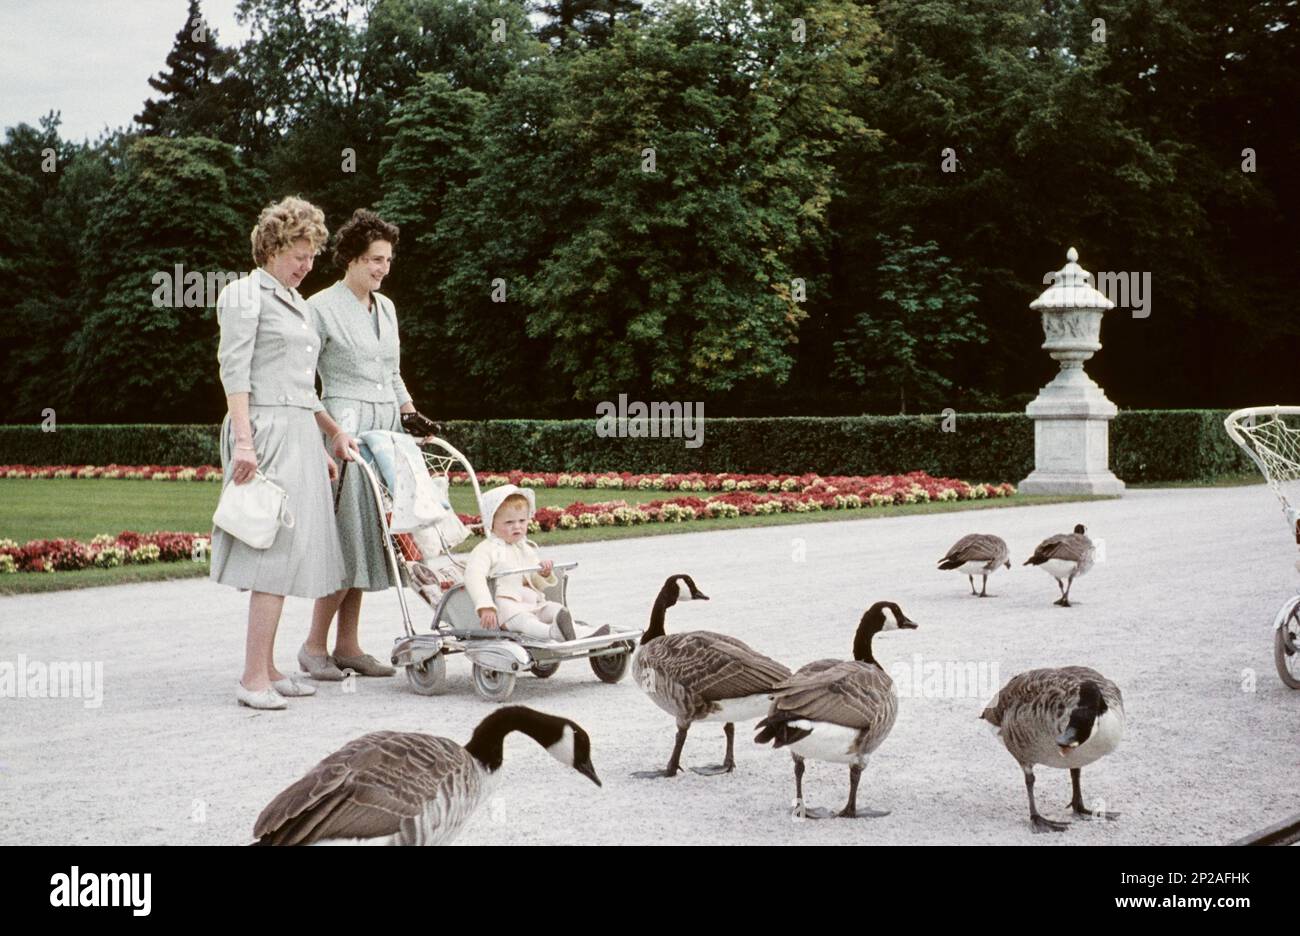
[{"x": 1178, "y": 615}]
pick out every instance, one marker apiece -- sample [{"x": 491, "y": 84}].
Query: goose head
[
  {"x": 1083, "y": 718},
  {"x": 1080, "y": 528},
  {"x": 676, "y": 588},
  {"x": 563, "y": 739},
  {"x": 873, "y": 622},
  {"x": 572, "y": 748},
  {"x": 680, "y": 588},
  {"x": 875, "y": 618}
]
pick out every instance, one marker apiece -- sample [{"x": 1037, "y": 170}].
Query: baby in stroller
[{"x": 520, "y": 604}]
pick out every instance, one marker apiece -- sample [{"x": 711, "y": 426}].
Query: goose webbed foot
[
  {"x": 713, "y": 770},
  {"x": 674, "y": 762},
  {"x": 728, "y": 761},
  {"x": 1043, "y": 824},
  {"x": 656, "y": 774},
  {"x": 1063, "y": 602}
]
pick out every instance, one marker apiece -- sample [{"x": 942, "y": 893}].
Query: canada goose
[
  {"x": 701, "y": 676},
  {"x": 403, "y": 788},
  {"x": 838, "y": 711},
  {"x": 1064, "y": 717},
  {"x": 1063, "y": 557},
  {"x": 977, "y": 554}
]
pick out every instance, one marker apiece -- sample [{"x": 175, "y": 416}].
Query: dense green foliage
[{"x": 777, "y": 207}]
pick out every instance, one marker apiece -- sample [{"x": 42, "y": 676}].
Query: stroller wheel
[
  {"x": 429, "y": 677},
  {"x": 493, "y": 685},
  {"x": 611, "y": 667},
  {"x": 1286, "y": 649},
  {"x": 545, "y": 670}
]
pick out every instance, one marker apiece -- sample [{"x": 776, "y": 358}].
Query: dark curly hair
[{"x": 361, "y": 230}]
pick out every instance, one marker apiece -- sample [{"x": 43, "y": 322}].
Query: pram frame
[{"x": 491, "y": 651}]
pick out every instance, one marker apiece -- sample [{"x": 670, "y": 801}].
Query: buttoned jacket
[
  {"x": 269, "y": 344},
  {"x": 354, "y": 362}
]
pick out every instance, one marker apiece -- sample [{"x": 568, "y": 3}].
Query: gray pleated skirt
[
  {"x": 365, "y": 562},
  {"x": 305, "y": 560}
]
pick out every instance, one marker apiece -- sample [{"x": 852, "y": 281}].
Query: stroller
[
  {"x": 1274, "y": 446},
  {"x": 420, "y": 556}
]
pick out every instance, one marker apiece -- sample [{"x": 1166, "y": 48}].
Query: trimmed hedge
[
  {"x": 1146, "y": 445},
  {"x": 143, "y": 444}
]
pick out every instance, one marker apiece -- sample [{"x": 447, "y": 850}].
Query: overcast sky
[{"x": 91, "y": 59}]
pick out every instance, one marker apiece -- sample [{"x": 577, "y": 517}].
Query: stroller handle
[{"x": 558, "y": 565}]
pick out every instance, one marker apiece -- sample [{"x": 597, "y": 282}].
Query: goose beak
[
  {"x": 908, "y": 624},
  {"x": 700, "y": 596},
  {"x": 588, "y": 771}
]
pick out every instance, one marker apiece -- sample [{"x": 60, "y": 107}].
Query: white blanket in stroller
[{"x": 419, "y": 501}]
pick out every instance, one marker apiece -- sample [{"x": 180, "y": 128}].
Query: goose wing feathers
[
  {"x": 841, "y": 692},
  {"x": 713, "y": 666},
  {"x": 977, "y": 547},
  {"x": 1072, "y": 547},
  {"x": 377, "y": 785},
  {"x": 1045, "y": 697}
]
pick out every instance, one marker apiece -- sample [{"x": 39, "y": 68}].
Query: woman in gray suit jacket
[
  {"x": 267, "y": 353},
  {"x": 362, "y": 388}
]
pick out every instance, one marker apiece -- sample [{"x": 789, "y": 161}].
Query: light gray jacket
[
  {"x": 269, "y": 343},
  {"x": 354, "y": 363}
]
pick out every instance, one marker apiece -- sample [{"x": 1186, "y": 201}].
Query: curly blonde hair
[{"x": 288, "y": 220}]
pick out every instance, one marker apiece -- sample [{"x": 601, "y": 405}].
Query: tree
[
  {"x": 592, "y": 20},
  {"x": 45, "y": 187},
  {"x": 187, "y": 202},
  {"x": 196, "y": 89},
  {"x": 448, "y": 356},
  {"x": 908, "y": 338}
]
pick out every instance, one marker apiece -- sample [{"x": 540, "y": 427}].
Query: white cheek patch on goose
[
  {"x": 683, "y": 592},
  {"x": 562, "y": 750},
  {"x": 890, "y": 624}
]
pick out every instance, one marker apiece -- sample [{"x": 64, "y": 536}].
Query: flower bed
[
  {"x": 894, "y": 487},
  {"x": 801, "y": 494},
  {"x": 132, "y": 472},
  {"x": 104, "y": 551}
]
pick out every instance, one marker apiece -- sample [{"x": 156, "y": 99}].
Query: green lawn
[{"x": 79, "y": 508}]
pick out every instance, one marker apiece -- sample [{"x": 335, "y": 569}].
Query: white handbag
[{"x": 254, "y": 511}]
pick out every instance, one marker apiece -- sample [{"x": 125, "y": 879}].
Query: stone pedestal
[{"x": 1071, "y": 414}]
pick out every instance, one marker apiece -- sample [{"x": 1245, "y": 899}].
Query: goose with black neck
[
  {"x": 837, "y": 711},
  {"x": 405, "y": 788},
  {"x": 701, "y": 676}
]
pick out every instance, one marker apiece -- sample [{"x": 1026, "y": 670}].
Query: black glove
[{"x": 420, "y": 426}]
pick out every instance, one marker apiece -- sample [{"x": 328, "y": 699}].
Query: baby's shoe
[{"x": 564, "y": 621}]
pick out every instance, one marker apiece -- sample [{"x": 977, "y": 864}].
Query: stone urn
[{"x": 1071, "y": 414}]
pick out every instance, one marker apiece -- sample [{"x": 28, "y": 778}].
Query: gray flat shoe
[
  {"x": 290, "y": 687},
  {"x": 364, "y": 665},
  {"x": 564, "y": 621},
  {"x": 319, "y": 667}
]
